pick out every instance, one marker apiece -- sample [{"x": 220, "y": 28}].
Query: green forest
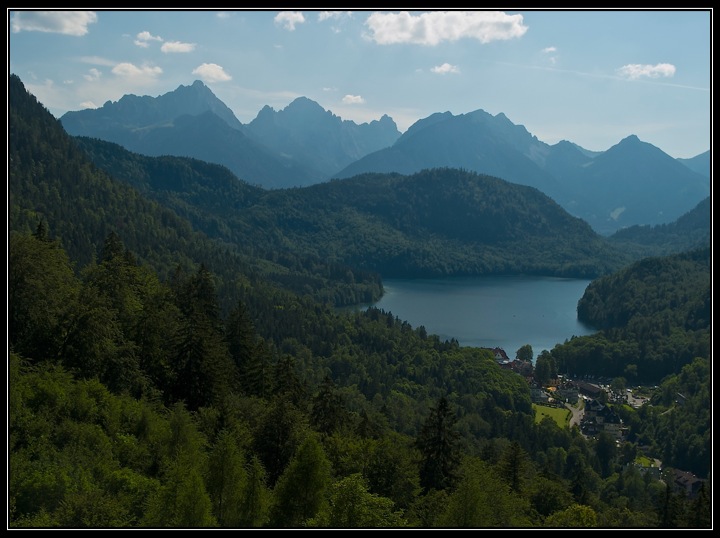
[{"x": 171, "y": 365}]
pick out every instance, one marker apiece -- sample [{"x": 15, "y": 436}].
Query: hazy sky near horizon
[{"x": 588, "y": 76}]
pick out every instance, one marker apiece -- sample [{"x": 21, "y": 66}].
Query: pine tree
[
  {"x": 300, "y": 491},
  {"x": 438, "y": 443}
]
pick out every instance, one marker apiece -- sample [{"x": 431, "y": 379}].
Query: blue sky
[{"x": 590, "y": 77}]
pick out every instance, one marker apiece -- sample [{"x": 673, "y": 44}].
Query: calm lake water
[{"x": 506, "y": 312}]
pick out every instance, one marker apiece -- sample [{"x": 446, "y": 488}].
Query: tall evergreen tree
[
  {"x": 438, "y": 443},
  {"x": 227, "y": 480},
  {"x": 203, "y": 368},
  {"x": 328, "y": 410},
  {"x": 300, "y": 491},
  {"x": 512, "y": 466}
]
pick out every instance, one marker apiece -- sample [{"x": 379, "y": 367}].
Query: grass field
[{"x": 559, "y": 415}]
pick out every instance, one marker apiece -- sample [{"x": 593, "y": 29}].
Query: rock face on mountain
[
  {"x": 134, "y": 112},
  {"x": 317, "y": 138}
]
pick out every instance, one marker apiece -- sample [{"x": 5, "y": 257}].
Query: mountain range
[{"x": 631, "y": 183}]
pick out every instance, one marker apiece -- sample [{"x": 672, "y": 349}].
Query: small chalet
[
  {"x": 500, "y": 355},
  {"x": 601, "y": 418},
  {"x": 687, "y": 482}
]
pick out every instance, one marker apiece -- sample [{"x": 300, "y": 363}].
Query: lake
[{"x": 493, "y": 311}]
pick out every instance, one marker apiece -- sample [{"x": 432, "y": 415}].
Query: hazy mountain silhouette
[
  {"x": 699, "y": 163},
  {"x": 299, "y": 145},
  {"x": 318, "y": 139},
  {"x": 632, "y": 183}
]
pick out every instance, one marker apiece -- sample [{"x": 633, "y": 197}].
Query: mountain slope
[
  {"x": 151, "y": 206},
  {"x": 700, "y": 163},
  {"x": 631, "y": 183},
  {"x": 317, "y": 138},
  {"x": 300, "y": 145},
  {"x": 476, "y": 141},
  {"x": 692, "y": 230},
  {"x": 634, "y": 182},
  {"x": 132, "y": 111},
  {"x": 187, "y": 122},
  {"x": 440, "y": 222}
]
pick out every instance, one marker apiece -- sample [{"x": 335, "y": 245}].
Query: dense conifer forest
[{"x": 167, "y": 370}]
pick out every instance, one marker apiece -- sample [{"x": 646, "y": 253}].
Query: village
[{"x": 588, "y": 400}]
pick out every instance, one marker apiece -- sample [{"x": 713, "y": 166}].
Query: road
[{"x": 577, "y": 413}]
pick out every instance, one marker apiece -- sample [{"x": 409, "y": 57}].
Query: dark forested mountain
[
  {"x": 631, "y": 183},
  {"x": 318, "y": 139},
  {"x": 654, "y": 315},
  {"x": 437, "y": 222},
  {"x": 52, "y": 180},
  {"x": 433, "y": 223},
  {"x": 300, "y": 145},
  {"x": 699, "y": 163},
  {"x": 692, "y": 230}
]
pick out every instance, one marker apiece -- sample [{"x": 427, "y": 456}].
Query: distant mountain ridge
[
  {"x": 300, "y": 145},
  {"x": 632, "y": 183},
  {"x": 303, "y": 127},
  {"x": 699, "y": 163}
]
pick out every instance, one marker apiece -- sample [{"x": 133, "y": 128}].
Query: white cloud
[
  {"x": 353, "y": 100},
  {"x": 223, "y": 15},
  {"x": 445, "y": 68},
  {"x": 288, "y": 19},
  {"x": 550, "y": 51},
  {"x": 177, "y": 46},
  {"x": 93, "y": 74},
  {"x": 635, "y": 71},
  {"x": 141, "y": 74},
  {"x": 59, "y": 22},
  {"x": 88, "y": 104},
  {"x": 325, "y": 15},
  {"x": 143, "y": 39},
  {"x": 433, "y": 27},
  {"x": 211, "y": 73}
]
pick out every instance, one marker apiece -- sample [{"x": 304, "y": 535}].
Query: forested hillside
[
  {"x": 655, "y": 317},
  {"x": 165, "y": 375},
  {"x": 434, "y": 223},
  {"x": 133, "y": 403},
  {"x": 692, "y": 230},
  {"x": 52, "y": 180}
]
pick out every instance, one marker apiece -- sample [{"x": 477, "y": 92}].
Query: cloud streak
[
  {"x": 636, "y": 71},
  {"x": 140, "y": 74},
  {"x": 74, "y": 23},
  {"x": 177, "y": 46},
  {"x": 434, "y": 27}
]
